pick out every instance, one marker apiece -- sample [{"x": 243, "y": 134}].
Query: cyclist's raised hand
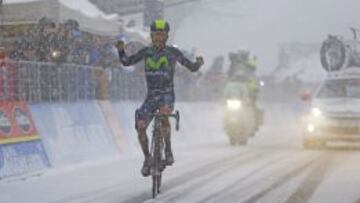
[
  {"x": 200, "y": 60},
  {"x": 120, "y": 45}
]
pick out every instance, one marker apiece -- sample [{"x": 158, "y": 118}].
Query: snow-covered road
[
  {"x": 272, "y": 168},
  {"x": 244, "y": 175}
]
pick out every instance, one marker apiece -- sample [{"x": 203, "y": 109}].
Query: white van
[{"x": 335, "y": 110}]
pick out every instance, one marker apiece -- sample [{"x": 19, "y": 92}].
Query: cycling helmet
[{"x": 159, "y": 25}]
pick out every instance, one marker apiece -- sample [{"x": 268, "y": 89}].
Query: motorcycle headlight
[
  {"x": 233, "y": 104},
  {"x": 262, "y": 83},
  {"x": 316, "y": 112}
]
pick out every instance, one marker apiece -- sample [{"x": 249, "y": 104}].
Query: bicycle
[{"x": 158, "y": 163}]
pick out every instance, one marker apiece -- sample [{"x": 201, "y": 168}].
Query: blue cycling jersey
[{"x": 159, "y": 66}]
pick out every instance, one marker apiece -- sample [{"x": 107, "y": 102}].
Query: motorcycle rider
[
  {"x": 160, "y": 61},
  {"x": 243, "y": 70}
]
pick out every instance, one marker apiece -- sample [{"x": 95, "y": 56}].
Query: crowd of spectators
[{"x": 48, "y": 41}]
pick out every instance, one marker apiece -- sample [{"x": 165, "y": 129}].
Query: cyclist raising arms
[{"x": 160, "y": 62}]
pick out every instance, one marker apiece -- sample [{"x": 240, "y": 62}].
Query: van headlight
[
  {"x": 316, "y": 112},
  {"x": 233, "y": 104},
  {"x": 310, "y": 128}
]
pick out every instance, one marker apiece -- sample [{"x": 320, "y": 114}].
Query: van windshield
[{"x": 342, "y": 88}]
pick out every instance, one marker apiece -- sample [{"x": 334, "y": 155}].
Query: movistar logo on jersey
[{"x": 157, "y": 64}]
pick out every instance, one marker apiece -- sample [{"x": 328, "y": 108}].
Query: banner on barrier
[
  {"x": 21, "y": 150},
  {"x": 20, "y": 158},
  {"x": 16, "y": 123}
]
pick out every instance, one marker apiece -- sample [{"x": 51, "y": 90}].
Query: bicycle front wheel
[
  {"x": 156, "y": 178},
  {"x": 155, "y": 187}
]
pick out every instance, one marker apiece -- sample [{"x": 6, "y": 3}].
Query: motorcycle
[{"x": 242, "y": 119}]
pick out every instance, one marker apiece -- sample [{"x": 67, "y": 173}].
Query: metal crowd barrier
[
  {"x": 55, "y": 82},
  {"x": 50, "y": 82}
]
